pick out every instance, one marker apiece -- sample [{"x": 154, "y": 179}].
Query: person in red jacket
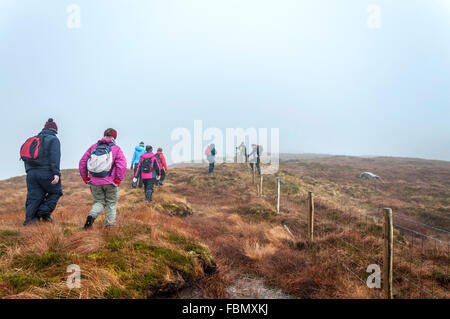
[{"x": 162, "y": 161}]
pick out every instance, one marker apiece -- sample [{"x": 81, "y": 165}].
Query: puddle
[{"x": 248, "y": 287}]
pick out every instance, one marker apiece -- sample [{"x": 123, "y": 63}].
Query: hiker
[
  {"x": 162, "y": 161},
  {"x": 138, "y": 151},
  {"x": 255, "y": 157},
  {"x": 42, "y": 155},
  {"x": 242, "y": 153},
  {"x": 150, "y": 169},
  {"x": 210, "y": 156},
  {"x": 103, "y": 167}
]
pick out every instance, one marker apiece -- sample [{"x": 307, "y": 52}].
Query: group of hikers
[{"x": 103, "y": 167}]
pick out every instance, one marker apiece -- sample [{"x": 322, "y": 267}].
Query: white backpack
[{"x": 100, "y": 163}]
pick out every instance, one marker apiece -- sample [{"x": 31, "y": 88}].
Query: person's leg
[
  {"x": 258, "y": 167},
  {"x": 140, "y": 180},
  {"x": 149, "y": 189},
  {"x": 112, "y": 196},
  {"x": 163, "y": 176},
  {"x": 54, "y": 192},
  {"x": 211, "y": 167},
  {"x": 99, "y": 197},
  {"x": 145, "y": 188},
  {"x": 35, "y": 196}
]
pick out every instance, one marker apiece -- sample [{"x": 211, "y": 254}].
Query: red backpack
[{"x": 32, "y": 150}]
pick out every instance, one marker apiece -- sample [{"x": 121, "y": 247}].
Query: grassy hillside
[{"x": 197, "y": 221}]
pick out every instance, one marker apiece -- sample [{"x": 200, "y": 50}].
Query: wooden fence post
[
  {"x": 278, "y": 194},
  {"x": 388, "y": 236},
  {"x": 253, "y": 174},
  {"x": 311, "y": 217},
  {"x": 261, "y": 186}
]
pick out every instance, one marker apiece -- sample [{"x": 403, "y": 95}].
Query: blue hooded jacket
[{"x": 138, "y": 152}]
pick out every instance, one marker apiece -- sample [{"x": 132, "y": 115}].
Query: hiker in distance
[
  {"x": 162, "y": 161},
  {"x": 242, "y": 153},
  {"x": 103, "y": 167},
  {"x": 42, "y": 155},
  {"x": 150, "y": 169},
  {"x": 255, "y": 157},
  {"x": 138, "y": 152},
  {"x": 211, "y": 156}
]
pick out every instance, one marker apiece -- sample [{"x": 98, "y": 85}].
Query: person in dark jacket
[{"x": 44, "y": 179}]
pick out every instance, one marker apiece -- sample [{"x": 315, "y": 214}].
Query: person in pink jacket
[
  {"x": 150, "y": 169},
  {"x": 103, "y": 167}
]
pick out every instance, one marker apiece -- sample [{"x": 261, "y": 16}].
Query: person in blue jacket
[
  {"x": 138, "y": 152},
  {"x": 44, "y": 179}
]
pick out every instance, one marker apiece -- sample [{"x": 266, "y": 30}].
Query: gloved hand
[
  {"x": 158, "y": 177},
  {"x": 86, "y": 179},
  {"x": 135, "y": 180},
  {"x": 117, "y": 182}
]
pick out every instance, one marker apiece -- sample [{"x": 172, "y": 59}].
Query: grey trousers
[{"x": 105, "y": 197}]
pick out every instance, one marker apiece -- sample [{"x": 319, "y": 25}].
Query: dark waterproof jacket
[{"x": 52, "y": 153}]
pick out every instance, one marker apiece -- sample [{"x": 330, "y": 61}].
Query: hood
[
  {"x": 49, "y": 131},
  {"x": 148, "y": 154},
  {"x": 139, "y": 149},
  {"x": 107, "y": 140}
]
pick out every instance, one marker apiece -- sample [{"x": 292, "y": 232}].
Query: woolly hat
[
  {"x": 51, "y": 124},
  {"x": 149, "y": 148},
  {"x": 142, "y": 144},
  {"x": 111, "y": 133}
]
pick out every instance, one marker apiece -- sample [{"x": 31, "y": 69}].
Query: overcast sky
[{"x": 320, "y": 71}]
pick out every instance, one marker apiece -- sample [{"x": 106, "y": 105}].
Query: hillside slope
[{"x": 162, "y": 249}]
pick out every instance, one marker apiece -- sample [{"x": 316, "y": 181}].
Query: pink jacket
[
  {"x": 118, "y": 172},
  {"x": 156, "y": 167}
]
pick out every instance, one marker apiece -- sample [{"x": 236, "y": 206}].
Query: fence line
[{"x": 408, "y": 253}]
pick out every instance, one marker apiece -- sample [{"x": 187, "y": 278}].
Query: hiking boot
[
  {"x": 89, "y": 222},
  {"x": 47, "y": 219}
]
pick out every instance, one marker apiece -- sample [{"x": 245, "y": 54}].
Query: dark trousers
[
  {"x": 211, "y": 167},
  {"x": 140, "y": 181},
  {"x": 148, "y": 184},
  {"x": 163, "y": 176},
  {"x": 257, "y": 167},
  {"x": 42, "y": 196}
]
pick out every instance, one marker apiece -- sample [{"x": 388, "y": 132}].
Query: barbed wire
[
  {"x": 421, "y": 234},
  {"x": 422, "y": 224}
]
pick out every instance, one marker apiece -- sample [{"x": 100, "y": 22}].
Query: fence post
[
  {"x": 278, "y": 194},
  {"x": 253, "y": 174},
  {"x": 311, "y": 217},
  {"x": 388, "y": 236},
  {"x": 261, "y": 186}
]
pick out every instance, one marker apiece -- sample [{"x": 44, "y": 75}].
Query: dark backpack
[
  {"x": 147, "y": 165},
  {"x": 32, "y": 151},
  {"x": 158, "y": 158}
]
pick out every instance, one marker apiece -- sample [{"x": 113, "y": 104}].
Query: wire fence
[{"x": 354, "y": 232}]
